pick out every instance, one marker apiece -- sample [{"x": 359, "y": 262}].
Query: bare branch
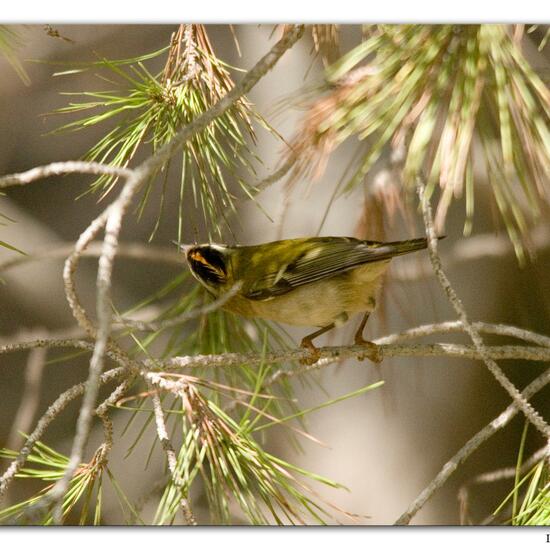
[
  {"x": 25, "y": 334},
  {"x": 532, "y": 415},
  {"x": 69, "y": 269},
  {"x": 332, "y": 354},
  {"x": 483, "y": 435},
  {"x": 164, "y": 439},
  {"x": 105, "y": 449},
  {"x": 104, "y": 277},
  {"x": 328, "y": 355},
  {"x": 61, "y": 168},
  {"x": 101, "y": 412},
  {"x": 280, "y": 173},
  {"x": 508, "y": 473},
  {"x": 63, "y": 343},
  {"x": 184, "y": 317},
  {"x": 457, "y": 326},
  {"x": 51, "y": 413}
]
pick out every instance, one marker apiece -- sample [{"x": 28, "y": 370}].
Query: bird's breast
[{"x": 319, "y": 303}]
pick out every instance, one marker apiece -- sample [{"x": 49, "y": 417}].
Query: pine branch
[
  {"x": 172, "y": 458},
  {"x": 471, "y": 445},
  {"x": 532, "y": 415},
  {"x": 62, "y": 168},
  {"x": 111, "y": 218}
]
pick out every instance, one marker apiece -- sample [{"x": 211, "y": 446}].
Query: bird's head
[{"x": 209, "y": 264}]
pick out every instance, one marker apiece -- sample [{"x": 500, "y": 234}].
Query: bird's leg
[
  {"x": 308, "y": 344},
  {"x": 359, "y": 340},
  {"x": 374, "y": 352}
]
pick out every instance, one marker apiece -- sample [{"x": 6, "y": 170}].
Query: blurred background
[{"x": 384, "y": 446}]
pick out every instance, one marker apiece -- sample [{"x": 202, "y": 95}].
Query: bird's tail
[{"x": 398, "y": 248}]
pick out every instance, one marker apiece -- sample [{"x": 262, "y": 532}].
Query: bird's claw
[
  {"x": 374, "y": 353},
  {"x": 314, "y": 356}
]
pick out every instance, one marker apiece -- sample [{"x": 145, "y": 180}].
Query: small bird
[{"x": 317, "y": 281}]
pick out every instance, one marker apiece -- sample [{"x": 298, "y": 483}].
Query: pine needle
[{"x": 439, "y": 89}]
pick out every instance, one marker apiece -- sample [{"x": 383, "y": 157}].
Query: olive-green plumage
[{"x": 318, "y": 281}]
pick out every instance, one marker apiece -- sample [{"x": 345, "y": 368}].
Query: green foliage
[
  {"x": 4, "y": 244},
  {"x": 534, "y": 506},
  {"x": 84, "y": 497},
  {"x": 9, "y": 42},
  {"x": 232, "y": 464},
  {"x": 151, "y": 108},
  {"x": 225, "y": 414},
  {"x": 438, "y": 90},
  {"x": 220, "y": 452},
  {"x": 3, "y": 220},
  {"x": 530, "y": 496},
  {"x": 235, "y": 468},
  {"x": 212, "y": 333}
]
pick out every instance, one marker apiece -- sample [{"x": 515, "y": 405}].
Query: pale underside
[{"x": 330, "y": 300}]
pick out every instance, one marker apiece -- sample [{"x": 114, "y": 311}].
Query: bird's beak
[{"x": 183, "y": 247}]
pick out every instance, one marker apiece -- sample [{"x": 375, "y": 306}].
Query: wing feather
[{"x": 326, "y": 259}]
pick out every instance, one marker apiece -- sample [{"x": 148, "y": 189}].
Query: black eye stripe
[
  {"x": 214, "y": 258},
  {"x": 208, "y": 263},
  {"x": 207, "y": 273}
]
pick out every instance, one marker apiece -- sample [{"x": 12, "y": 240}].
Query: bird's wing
[{"x": 324, "y": 259}]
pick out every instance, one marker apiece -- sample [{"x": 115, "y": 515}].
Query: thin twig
[
  {"x": 280, "y": 173},
  {"x": 62, "y": 168},
  {"x": 34, "y": 511},
  {"x": 25, "y": 334},
  {"x": 69, "y": 269},
  {"x": 532, "y": 415},
  {"x": 457, "y": 326},
  {"x": 329, "y": 355},
  {"x": 15, "y": 343},
  {"x": 104, "y": 279},
  {"x": 172, "y": 458},
  {"x": 51, "y": 413},
  {"x": 53, "y": 343},
  {"x": 507, "y": 473},
  {"x": 101, "y": 411},
  {"x": 483, "y": 435},
  {"x": 184, "y": 317}
]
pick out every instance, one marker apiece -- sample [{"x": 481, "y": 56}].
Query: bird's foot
[
  {"x": 315, "y": 354},
  {"x": 373, "y": 353}
]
